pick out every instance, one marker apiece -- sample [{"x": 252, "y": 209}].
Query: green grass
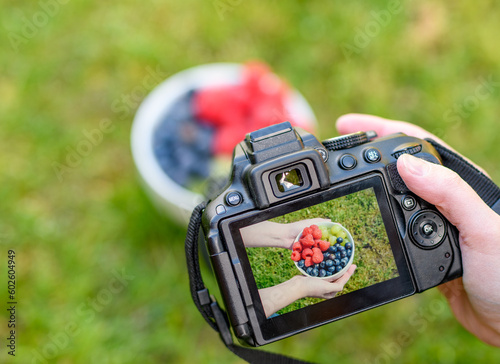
[
  {"x": 70, "y": 235},
  {"x": 360, "y": 215}
]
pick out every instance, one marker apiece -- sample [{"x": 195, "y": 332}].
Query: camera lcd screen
[
  {"x": 304, "y": 257},
  {"x": 322, "y": 257}
]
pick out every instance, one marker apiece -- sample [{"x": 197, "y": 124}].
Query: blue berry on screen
[
  {"x": 322, "y": 272},
  {"x": 348, "y": 245},
  {"x": 301, "y": 263},
  {"x": 340, "y": 240},
  {"x": 329, "y": 263}
]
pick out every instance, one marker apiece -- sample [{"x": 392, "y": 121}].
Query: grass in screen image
[{"x": 360, "y": 215}]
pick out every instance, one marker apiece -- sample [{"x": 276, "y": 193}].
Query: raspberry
[
  {"x": 295, "y": 256},
  {"x": 323, "y": 245},
  {"x": 316, "y": 232},
  {"x": 317, "y": 255},
  {"x": 307, "y": 241},
  {"x": 307, "y": 253},
  {"x": 297, "y": 247},
  {"x": 306, "y": 231},
  {"x": 308, "y": 262}
]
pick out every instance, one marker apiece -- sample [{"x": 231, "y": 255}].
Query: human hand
[
  {"x": 475, "y": 298},
  {"x": 324, "y": 288},
  {"x": 276, "y": 235},
  {"x": 295, "y": 228}
]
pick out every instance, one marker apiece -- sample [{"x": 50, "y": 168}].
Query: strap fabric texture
[
  {"x": 216, "y": 317},
  {"x": 484, "y": 186}
]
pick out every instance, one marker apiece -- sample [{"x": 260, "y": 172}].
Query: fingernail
[{"x": 414, "y": 165}]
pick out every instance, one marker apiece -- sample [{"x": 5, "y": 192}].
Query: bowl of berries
[
  {"x": 324, "y": 251},
  {"x": 185, "y": 130}
]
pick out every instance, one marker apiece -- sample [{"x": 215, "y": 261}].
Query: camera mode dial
[{"x": 349, "y": 140}]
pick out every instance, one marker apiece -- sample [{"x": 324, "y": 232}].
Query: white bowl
[
  {"x": 339, "y": 274},
  {"x": 171, "y": 198}
]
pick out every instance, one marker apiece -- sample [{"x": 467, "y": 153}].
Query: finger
[
  {"x": 345, "y": 277},
  {"x": 351, "y": 123},
  {"x": 453, "y": 197}
]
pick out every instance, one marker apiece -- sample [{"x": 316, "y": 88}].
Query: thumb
[{"x": 452, "y": 196}]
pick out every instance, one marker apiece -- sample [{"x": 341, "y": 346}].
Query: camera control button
[
  {"x": 372, "y": 155},
  {"x": 323, "y": 153},
  {"x": 427, "y": 229},
  {"x": 348, "y": 161},
  {"x": 220, "y": 209},
  {"x": 234, "y": 198},
  {"x": 409, "y": 203}
]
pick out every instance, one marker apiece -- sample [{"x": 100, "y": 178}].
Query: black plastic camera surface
[{"x": 281, "y": 178}]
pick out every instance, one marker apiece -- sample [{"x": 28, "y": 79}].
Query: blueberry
[
  {"x": 337, "y": 255},
  {"x": 348, "y": 252},
  {"x": 309, "y": 270},
  {"x": 329, "y": 263},
  {"x": 329, "y": 273},
  {"x": 322, "y": 264},
  {"x": 338, "y": 268},
  {"x": 336, "y": 262},
  {"x": 326, "y": 255},
  {"x": 340, "y": 240},
  {"x": 343, "y": 254},
  {"x": 341, "y": 249},
  {"x": 331, "y": 269},
  {"x": 331, "y": 256},
  {"x": 343, "y": 262},
  {"x": 301, "y": 263},
  {"x": 322, "y": 272},
  {"x": 315, "y": 272},
  {"x": 332, "y": 250},
  {"x": 348, "y": 245},
  {"x": 337, "y": 244}
]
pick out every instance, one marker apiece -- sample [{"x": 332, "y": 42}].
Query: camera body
[{"x": 283, "y": 175}]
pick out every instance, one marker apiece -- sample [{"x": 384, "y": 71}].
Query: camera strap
[
  {"x": 482, "y": 184},
  {"x": 217, "y": 318},
  {"x": 210, "y": 309}
]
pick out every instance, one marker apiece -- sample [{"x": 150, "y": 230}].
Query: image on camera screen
[{"x": 319, "y": 252}]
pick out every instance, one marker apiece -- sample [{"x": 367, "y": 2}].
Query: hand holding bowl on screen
[
  {"x": 277, "y": 297},
  {"x": 276, "y": 235}
]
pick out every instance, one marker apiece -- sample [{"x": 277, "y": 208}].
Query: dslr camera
[{"x": 298, "y": 214}]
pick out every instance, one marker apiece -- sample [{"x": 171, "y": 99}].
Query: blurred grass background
[{"x": 62, "y": 74}]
